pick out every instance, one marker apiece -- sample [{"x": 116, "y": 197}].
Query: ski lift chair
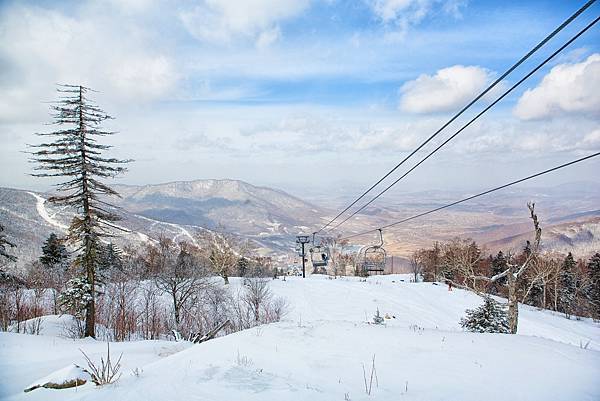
[
  {"x": 374, "y": 257},
  {"x": 319, "y": 254}
]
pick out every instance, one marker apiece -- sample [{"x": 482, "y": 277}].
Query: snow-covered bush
[
  {"x": 75, "y": 297},
  {"x": 491, "y": 317}
]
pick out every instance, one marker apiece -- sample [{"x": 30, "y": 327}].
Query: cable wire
[
  {"x": 490, "y": 87},
  {"x": 473, "y": 196},
  {"x": 554, "y": 54}
]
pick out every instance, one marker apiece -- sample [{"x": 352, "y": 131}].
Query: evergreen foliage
[
  {"x": 75, "y": 154},
  {"x": 593, "y": 293},
  {"x": 568, "y": 284},
  {"x": 491, "y": 317},
  {"x": 54, "y": 253},
  {"x": 76, "y": 297},
  {"x": 110, "y": 259},
  {"x": 4, "y": 243}
]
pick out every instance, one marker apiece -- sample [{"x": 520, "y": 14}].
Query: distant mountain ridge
[
  {"x": 232, "y": 204},
  {"x": 178, "y": 210}
]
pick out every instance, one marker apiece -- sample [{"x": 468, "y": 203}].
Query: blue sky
[{"x": 341, "y": 90}]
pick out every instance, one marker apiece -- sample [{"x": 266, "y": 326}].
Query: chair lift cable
[
  {"x": 549, "y": 58},
  {"x": 490, "y": 87},
  {"x": 474, "y": 196}
]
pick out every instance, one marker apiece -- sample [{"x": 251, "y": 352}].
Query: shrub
[{"x": 491, "y": 317}]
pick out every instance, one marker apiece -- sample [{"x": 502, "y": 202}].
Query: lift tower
[{"x": 303, "y": 240}]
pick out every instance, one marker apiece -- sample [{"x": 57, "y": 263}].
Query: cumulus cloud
[
  {"x": 446, "y": 90},
  {"x": 567, "y": 88},
  {"x": 223, "y": 20},
  {"x": 40, "y": 47}
]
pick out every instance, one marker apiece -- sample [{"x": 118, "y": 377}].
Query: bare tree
[
  {"x": 459, "y": 262},
  {"x": 257, "y": 294},
  {"x": 415, "y": 265},
  {"x": 182, "y": 275},
  {"x": 223, "y": 251},
  {"x": 541, "y": 273}
]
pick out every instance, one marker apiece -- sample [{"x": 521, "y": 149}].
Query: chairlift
[
  {"x": 374, "y": 256},
  {"x": 319, "y": 254}
]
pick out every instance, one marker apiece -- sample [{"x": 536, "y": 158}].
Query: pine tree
[
  {"x": 593, "y": 293},
  {"x": 4, "y": 243},
  {"x": 55, "y": 262},
  {"x": 54, "y": 253},
  {"x": 499, "y": 264},
  {"x": 110, "y": 259},
  {"x": 491, "y": 317},
  {"x": 567, "y": 279},
  {"x": 76, "y": 155},
  {"x": 76, "y": 297}
]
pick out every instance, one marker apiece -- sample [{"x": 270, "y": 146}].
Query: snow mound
[
  {"x": 48, "y": 325},
  {"x": 70, "y": 376}
]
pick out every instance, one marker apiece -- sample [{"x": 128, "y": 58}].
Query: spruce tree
[
  {"x": 593, "y": 292},
  {"x": 491, "y": 317},
  {"x": 75, "y": 154},
  {"x": 55, "y": 262},
  {"x": 54, "y": 253},
  {"x": 567, "y": 280},
  {"x": 4, "y": 243},
  {"x": 499, "y": 264},
  {"x": 110, "y": 259}
]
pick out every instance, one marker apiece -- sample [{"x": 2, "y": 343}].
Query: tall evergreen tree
[
  {"x": 593, "y": 294},
  {"x": 76, "y": 155},
  {"x": 567, "y": 280},
  {"x": 4, "y": 243}
]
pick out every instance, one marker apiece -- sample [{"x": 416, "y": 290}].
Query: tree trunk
[
  {"x": 513, "y": 303},
  {"x": 90, "y": 311},
  {"x": 176, "y": 310}
]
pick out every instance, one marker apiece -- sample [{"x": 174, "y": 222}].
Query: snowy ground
[{"x": 318, "y": 353}]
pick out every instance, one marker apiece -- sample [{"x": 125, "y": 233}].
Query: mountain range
[{"x": 271, "y": 218}]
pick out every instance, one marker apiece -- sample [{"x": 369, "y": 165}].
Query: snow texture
[{"x": 318, "y": 352}]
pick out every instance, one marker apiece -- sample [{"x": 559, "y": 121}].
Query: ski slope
[{"x": 319, "y": 350}]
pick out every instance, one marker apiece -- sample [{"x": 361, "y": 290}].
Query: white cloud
[
  {"x": 41, "y": 47},
  {"x": 448, "y": 89},
  {"x": 404, "y": 13},
  {"x": 567, "y": 88},
  {"x": 225, "y": 20}
]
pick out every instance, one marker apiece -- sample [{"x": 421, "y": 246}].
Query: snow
[
  {"x": 41, "y": 209},
  {"x": 318, "y": 352},
  {"x": 66, "y": 374},
  {"x": 50, "y": 325}
]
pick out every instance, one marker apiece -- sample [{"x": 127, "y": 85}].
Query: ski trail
[{"x": 41, "y": 209}]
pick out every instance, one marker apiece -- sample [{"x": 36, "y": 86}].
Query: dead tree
[
  {"x": 515, "y": 270},
  {"x": 76, "y": 155}
]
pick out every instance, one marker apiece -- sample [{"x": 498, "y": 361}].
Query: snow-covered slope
[{"x": 318, "y": 353}]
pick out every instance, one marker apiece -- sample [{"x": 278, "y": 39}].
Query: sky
[{"x": 307, "y": 96}]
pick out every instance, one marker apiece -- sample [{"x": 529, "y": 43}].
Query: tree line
[{"x": 562, "y": 283}]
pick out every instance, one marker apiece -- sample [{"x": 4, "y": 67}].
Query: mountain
[
  {"x": 581, "y": 237},
  {"x": 268, "y": 217},
  {"x": 234, "y": 205}
]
